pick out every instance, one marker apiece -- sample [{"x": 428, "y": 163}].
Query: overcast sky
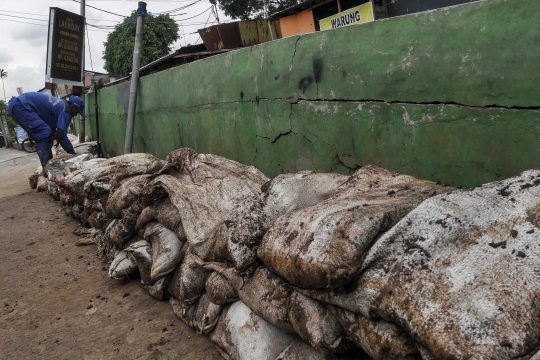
[{"x": 23, "y": 41}]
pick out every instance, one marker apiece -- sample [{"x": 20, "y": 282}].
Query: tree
[
  {"x": 253, "y": 9},
  {"x": 10, "y": 122},
  {"x": 3, "y": 75},
  {"x": 160, "y": 32}
]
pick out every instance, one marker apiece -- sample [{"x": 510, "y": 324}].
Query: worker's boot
[{"x": 45, "y": 154}]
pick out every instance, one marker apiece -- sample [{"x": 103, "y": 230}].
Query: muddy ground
[{"x": 56, "y": 299}]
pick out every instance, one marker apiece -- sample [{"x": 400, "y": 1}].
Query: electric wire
[
  {"x": 23, "y": 22},
  {"x": 93, "y": 7},
  {"x": 22, "y": 17}
]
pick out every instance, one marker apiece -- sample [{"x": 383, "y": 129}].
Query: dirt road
[{"x": 56, "y": 299}]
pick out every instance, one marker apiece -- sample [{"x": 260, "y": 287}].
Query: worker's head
[{"x": 76, "y": 105}]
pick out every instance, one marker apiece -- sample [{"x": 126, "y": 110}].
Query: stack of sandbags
[{"x": 311, "y": 265}]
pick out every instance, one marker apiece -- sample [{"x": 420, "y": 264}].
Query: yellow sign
[{"x": 356, "y": 15}]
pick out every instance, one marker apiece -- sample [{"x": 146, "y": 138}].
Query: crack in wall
[{"x": 296, "y": 100}]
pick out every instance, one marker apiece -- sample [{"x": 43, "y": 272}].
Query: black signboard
[{"x": 65, "y": 47}]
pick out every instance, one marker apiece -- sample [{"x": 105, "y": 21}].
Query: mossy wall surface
[{"x": 449, "y": 95}]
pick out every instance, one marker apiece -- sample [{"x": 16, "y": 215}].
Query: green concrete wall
[{"x": 449, "y": 95}]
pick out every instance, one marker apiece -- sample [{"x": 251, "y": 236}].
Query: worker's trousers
[{"x": 35, "y": 127}]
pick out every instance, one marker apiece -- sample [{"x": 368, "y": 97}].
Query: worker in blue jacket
[{"x": 46, "y": 118}]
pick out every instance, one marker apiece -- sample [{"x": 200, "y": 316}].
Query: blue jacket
[{"x": 53, "y": 111}]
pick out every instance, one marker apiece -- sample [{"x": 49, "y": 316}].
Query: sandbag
[
  {"x": 263, "y": 292},
  {"x": 187, "y": 283},
  {"x": 298, "y": 350},
  {"x": 219, "y": 290},
  {"x": 237, "y": 239},
  {"x": 158, "y": 290},
  {"x": 202, "y": 317},
  {"x": 42, "y": 184},
  {"x": 107, "y": 175},
  {"x": 460, "y": 272},
  {"x": 322, "y": 246},
  {"x": 121, "y": 266},
  {"x": 127, "y": 194},
  {"x": 316, "y": 325},
  {"x": 53, "y": 190},
  {"x": 33, "y": 180},
  {"x": 98, "y": 220},
  {"x": 206, "y": 190},
  {"x": 166, "y": 249},
  {"x": 165, "y": 213},
  {"x": 140, "y": 254},
  {"x": 245, "y": 336},
  {"x": 117, "y": 233},
  {"x": 380, "y": 339}
]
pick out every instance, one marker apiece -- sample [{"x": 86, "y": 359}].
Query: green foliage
[
  {"x": 10, "y": 122},
  {"x": 253, "y": 9},
  {"x": 160, "y": 32}
]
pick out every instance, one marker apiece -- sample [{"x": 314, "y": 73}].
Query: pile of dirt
[{"x": 311, "y": 265}]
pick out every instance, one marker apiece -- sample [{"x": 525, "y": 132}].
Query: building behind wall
[{"x": 304, "y": 17}]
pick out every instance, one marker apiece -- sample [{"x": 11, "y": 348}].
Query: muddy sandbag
[
  {"x": 165, "y": 213},
  {"x": 380, "y": 339},
  {"x": 263, "y": 292},
  {"x": 245, "y": 336},
  {"x": 33, "y": 180},
  {"x": 323, "y": 246},
  {"x": 53, "y": 190},
  {"x": 42, "y": 184},
  {"x": 166, "y": 249},
  {"x": 460, "y": 272},
  {"x": 237, "y": 238},
  {"x": 206, "y": 190},
  {"x": 98, "y": 220},
  {"x": 316, "y": 325},
  {"x": 187, "y": 282},
  {"x": 121, "y": 230},
  {"x": 219, "y": 290},
  {"x": 122, "y": 266},
  {"x": 158, "y": 290},
  {"x": 140, "y": 254},
  {"x": 202, "y": 317},
  {"x": 126, "y": 195},
  {"x": 109, "y": 173},
  {"x": 299, "y": 350}
]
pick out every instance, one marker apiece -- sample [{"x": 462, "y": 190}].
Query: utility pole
[
  {"x": 215, "y": 11},
  {"x": 133, "y": 88},
  {"x": 82, "y": 134},
  {"x": 5, "y": 129}
]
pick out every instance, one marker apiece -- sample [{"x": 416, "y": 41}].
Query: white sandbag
[
  {"x": 245, "y": 336},
  {"x": 166, "y": 249},
  {"x": 140, "y": 254},
  {"x": 122, "y": 266},
  {"x": 322, "y": 246}
]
